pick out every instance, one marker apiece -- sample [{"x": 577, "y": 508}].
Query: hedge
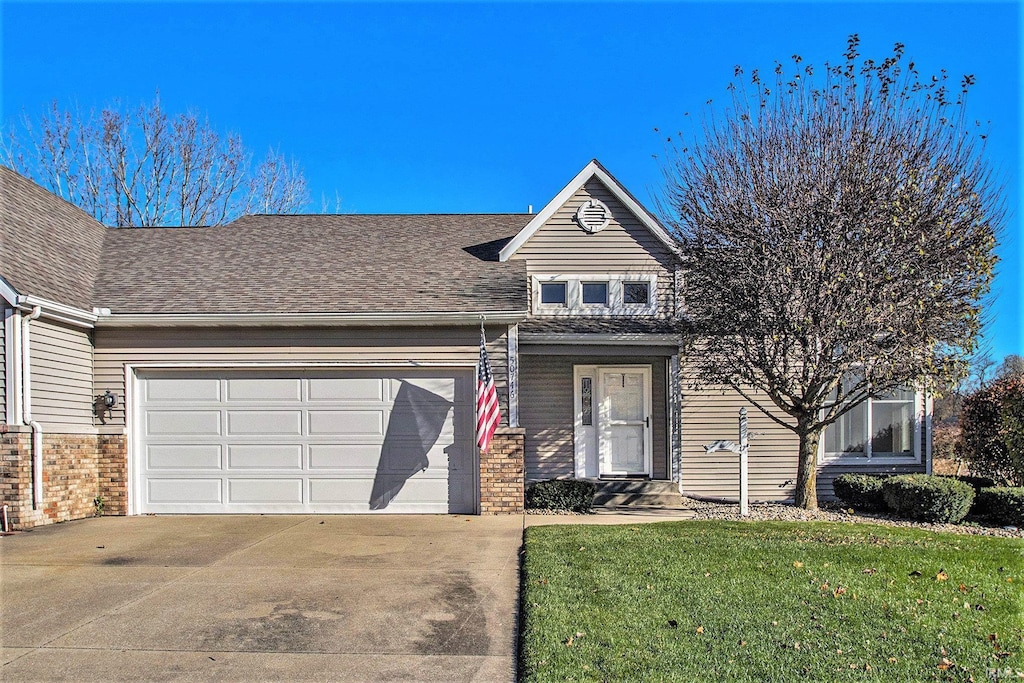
[
  {"x": 574, "y": 495},
  {"x": 1002, "y": 504},
  {"x": 861, "y": 491},
  {"x": 928, "y": 498}
]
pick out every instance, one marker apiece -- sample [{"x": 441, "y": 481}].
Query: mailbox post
[{"x": 741, "y": 450}]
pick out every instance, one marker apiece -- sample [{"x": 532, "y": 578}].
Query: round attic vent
[{"x": 593, "y": 215}]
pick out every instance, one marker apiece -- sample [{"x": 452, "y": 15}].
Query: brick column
[
  {"x": 502, "y": 473},
  {"x": 112, "y": 481}
]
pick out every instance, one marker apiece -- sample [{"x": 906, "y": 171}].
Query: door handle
[{"x": 647, "y": 421}]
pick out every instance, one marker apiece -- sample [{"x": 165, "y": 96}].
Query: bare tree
[
  {"x": 1012, "y": 366},
  {"x": 838, "y": 231},
  {"x": 144, "y": 167}
]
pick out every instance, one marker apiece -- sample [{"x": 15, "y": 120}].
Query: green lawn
[{"x": 726, "y": 601}]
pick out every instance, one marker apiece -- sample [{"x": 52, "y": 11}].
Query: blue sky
[{"x": 472, "y": 107}]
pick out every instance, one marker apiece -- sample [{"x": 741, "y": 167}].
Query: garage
[{"x": 304, "y": 441}]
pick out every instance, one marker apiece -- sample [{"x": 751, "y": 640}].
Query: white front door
[{"x": 613, "y": 420}]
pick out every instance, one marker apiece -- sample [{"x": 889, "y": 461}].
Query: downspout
[{"x": 26, "y": 411}]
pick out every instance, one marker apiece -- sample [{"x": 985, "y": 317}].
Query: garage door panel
[
  {"x": 183, "y": 422},
  {"x": 265, "y": 456},
  {"x": 346, "y": 389},
  {"x": 264, "y": 422},
  {"x": 307, "y": 441},
  {"x": 273, "y": 491},
  {"x": 183, "y": 456},
  {"x": 180, "y": 390},
  {"x": 263, "y": 389},
  {"x": 346, "y": 422},
  {"x": 184, "y": 491}
]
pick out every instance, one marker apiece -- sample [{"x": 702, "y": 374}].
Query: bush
[
  {"x": 861, "y": 491},
  {"x": 927, "y": 498},
  {"x": 575, "y": 495},
  {"x": 992, "y": 431},
  {"x": 1001, "y": 504},
  {"x": 976, "y": 483}
]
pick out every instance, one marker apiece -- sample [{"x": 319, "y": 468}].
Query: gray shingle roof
[
  {"x": 48, "y": 247},
  {"x": 582, "y": 325},
  {"x": 316, "y": 264}
]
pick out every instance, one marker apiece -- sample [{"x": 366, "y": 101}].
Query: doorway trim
[{"x": 587, "y": 439}]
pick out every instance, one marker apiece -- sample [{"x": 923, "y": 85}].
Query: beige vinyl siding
[
  {"x": 61, "y": 364},
  {"x": 397, "y": 346},
  {"x": 711, "y": 414},
  {"x": 546, "y": 411},
  {"x": 625, "y": 246}
]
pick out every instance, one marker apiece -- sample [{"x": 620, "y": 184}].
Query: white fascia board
[
  {"x": 9, "y": 294},
  {"x": 306, "y": 319},
  {"x": 60, "y": 312},
  {"x": 589, "y": 171},
  {"x": 635, "y": 339}
]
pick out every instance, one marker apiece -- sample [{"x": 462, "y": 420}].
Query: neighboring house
[{"x": 327, "y": 363}]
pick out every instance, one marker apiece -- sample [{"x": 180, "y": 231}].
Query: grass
[{"x": 773, "y": 601}]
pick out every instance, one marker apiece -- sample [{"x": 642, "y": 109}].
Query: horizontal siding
[
  {"x": 546, "y": 412},
  {"x": 711, "y": 414},
  {"x": 116, "y": 348},
  {"x": 626, "y": 246},
  {"x": 61, "y": 362}
]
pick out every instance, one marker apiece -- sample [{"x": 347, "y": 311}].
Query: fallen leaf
[
  {"x": 892, "y": 660},
  {"x": 980, "y": 608},
  {"x": 870, "y": 570},
  {"x": 993, "y": 637},
  {"x": 796, "y": 645},
  {"x": 919, "y": 601},
  {"x": 583, "y": 547},
  {"x": 707, "y": 574},
  {"x": 867, "y": 667},
  {"x": 962, "y": 588},
  {"x": 700, "y": 629},
  {"x": 742, "y": 643},
  {"x": 945, "y": 664},
  {"x": 798, "y": 564},
  {"x": 673, "y": 623},
  {"x": 914, "y": 574},
  {"x": 942, "y": 575},
  {"x": 839, "y": 591}
]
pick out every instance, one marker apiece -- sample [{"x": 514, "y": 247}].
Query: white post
[{"x": 744, "y": 510}]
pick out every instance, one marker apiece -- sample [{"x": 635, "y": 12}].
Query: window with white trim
[
  {"x": 883, "y": 427},
  {"x": 604, "y": 295}
]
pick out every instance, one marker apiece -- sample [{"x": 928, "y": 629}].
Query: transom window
[
  {"x": 553, "y": 293},
  {"x": 595, "y": 293},
  {"x": 604, "y": 295},
  {"x": 881, "y": 427}
]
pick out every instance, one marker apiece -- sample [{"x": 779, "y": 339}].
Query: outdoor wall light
[{"x": 109, "y": 399}]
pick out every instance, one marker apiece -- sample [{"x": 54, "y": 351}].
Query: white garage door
[{"x": 305, "y": 441}]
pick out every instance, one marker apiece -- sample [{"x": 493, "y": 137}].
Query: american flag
[{"x": 488, "y": 415}]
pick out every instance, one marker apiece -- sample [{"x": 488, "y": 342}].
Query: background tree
[
  {"x": 145, "y": 167},
  {"x": 992, "y": 431},
  {"x": 1012, "y": 366},
  {"x": 838, "y": 231}
]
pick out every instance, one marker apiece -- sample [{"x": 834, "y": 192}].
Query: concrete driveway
[{"x": 350, "y": 598}]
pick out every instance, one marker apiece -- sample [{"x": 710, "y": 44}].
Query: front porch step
[{"x": 630, "y": 494}]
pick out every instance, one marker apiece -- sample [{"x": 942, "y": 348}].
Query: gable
[{"x": 625, "y": 245}]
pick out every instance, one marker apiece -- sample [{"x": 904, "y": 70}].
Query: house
[{"x": 327, "y": 363}]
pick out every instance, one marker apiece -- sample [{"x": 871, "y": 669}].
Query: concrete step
[
  {"x": 641, "y": 486},
  {"x": 636, "y": 500}
]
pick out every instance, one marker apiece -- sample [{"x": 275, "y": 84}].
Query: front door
[{"x": 613, "y": 423}]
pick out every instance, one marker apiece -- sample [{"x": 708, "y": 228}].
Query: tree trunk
[{"x": 806, "y": 495}]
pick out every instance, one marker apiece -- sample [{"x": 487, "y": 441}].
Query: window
[
  {"x": 881, "y": 427},
  {"x": 635, "y": 293},
  {"x": 552, "y": 293},
  {"x": 595, "y": 293}
]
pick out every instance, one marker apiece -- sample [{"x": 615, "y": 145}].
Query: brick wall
[
  {"x": 77, "y": 468},
  {"x": 502, "y": 473}
]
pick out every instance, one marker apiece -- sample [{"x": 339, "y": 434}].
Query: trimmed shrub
[
  {"x": 861, "y": 491},
  {"x": 976, "y": 483},
  {"x": 928, "y": 498},
  {"x": 1001, "y": 504},
  {"x": 575, "y": 495}
]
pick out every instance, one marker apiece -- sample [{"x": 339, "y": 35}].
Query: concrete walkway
[{"x": 341, "y": 598}]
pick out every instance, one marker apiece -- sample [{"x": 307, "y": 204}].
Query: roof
[
  {"x": 605, "y": 326},
  {"x": 592, "y": 170},
  {"x": 51, "y": 248},
  {"x": 316, "y": 263}
]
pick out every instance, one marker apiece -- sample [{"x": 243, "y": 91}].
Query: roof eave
[{"x": 308, "y": 319}]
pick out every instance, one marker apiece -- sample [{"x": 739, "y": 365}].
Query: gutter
[
  {"x": 108, "y": 319},
  {"x": 26, "y": 409},
  {"x": 56, "y": 311},
  {"x": 625, "y": 339}
]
